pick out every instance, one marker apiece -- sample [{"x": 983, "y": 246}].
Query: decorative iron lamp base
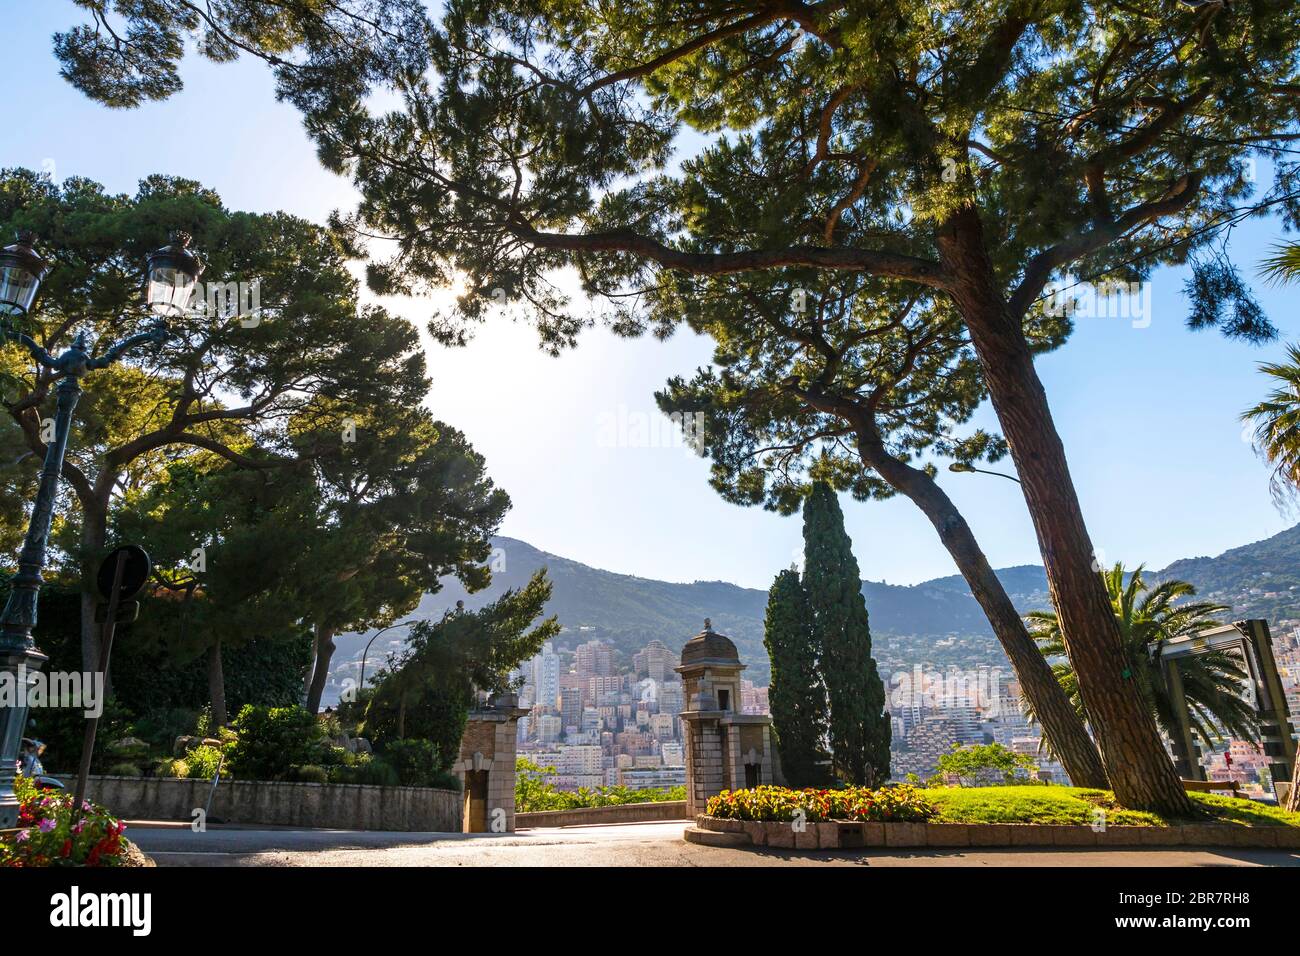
[{"x": 13, "y": 724}]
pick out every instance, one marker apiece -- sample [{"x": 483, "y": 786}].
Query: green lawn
[{"x": 1063, "y": 805}]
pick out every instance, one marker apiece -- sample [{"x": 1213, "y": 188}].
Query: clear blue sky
[{"x": 1149, "y": 416}]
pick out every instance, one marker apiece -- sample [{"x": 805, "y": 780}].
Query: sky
[{"x": 1148, "y": 411}]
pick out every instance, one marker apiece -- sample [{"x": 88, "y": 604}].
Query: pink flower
[
  {"x": 24, "y": 836},
  {"x": 46, "y": 825}
]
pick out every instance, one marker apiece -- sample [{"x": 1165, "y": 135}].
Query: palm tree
[
  {"x": 1213, "y": 683},
  {"x": 1277, "y": 423},
  {"x": 1284, "y": 264}
]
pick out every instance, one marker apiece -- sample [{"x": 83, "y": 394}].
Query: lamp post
[
  {"x": 361, "y": 685},
  {"x": 171, "y": 276},
  {"x": 961, "y": 468}
]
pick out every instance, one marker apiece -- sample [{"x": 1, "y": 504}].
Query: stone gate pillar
[{"x": 486, "y": 767}]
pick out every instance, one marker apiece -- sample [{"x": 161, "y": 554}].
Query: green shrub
[
  {"x": 899, "y": 803},
  {"x": 309, "y": 773},
  {"x": 203, "y": 762},
  {"x": 984, "y": 763},
  {"x": 534, "y": 794},
  {"x": 367, "y": 770},
  {"x": 123, "y": 770},
  {"x": 174, "y": 768},
  {"x": 416, "y": 761},
  {"x": 161, "y": 727},
  {"x": 273, "y": 740}
]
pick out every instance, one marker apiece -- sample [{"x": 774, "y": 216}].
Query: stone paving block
[
  {"x": 780, "y": 835},
  {"x": 904, "y": 834},
  {"x": 947, "y": 834}
]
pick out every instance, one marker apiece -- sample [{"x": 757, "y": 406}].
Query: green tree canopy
[
  {"x": 429, "y": 687},
  {"x": 229, "y": 383},
  {"x": 797, "y": 693},
  {"x": 859, "y": 724}
]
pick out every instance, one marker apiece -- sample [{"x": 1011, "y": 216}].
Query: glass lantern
[
  {"x": 21, "y": 272},
  {"x": 171, "y": 277}
]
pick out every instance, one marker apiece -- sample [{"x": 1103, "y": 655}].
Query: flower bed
[
  {"x": 46, "y": 835},
  {"x": 904, "y": 804},
  {"x": 987, "y": 816}
]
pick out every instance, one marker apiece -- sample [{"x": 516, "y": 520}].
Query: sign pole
[{"x": 106, "y": 648}]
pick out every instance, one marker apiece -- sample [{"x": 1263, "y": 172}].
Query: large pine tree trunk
[
  {"x": 216, "y": 685},
  {"x": 1139, "y": 770},
  {"x": 1062, "y": 727},
  {"x": 321, "y": 668}
]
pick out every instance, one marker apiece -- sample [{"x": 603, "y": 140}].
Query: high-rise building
[
  {"x": 655, "y": 661},
  {"x": 595, "y": 659},
  {"x": 571, "y": 707},
  {"x": 546, "y": 676},
  {"x": 548, "y": 729}
]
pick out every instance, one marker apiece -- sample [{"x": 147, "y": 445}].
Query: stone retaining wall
[
  {"x": 333, "y": 806},
  {"x": 844, "y": 835},
  {"x": 592, "y": 816}
]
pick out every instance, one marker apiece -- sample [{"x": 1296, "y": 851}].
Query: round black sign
[{"x": 134, "y": 573}]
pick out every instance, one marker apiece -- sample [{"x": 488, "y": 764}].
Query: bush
[
  {"x": 309, "y": 773},
  {"x": 984, "y": 763},
  {"x": 47, "y": 836},
  {"x": 899, "y": 803},
  {"x": 273, "y": 740},
  {"x": 174, "y": 768},
  {"x": 534, "y": 794},
  {"x": 123, "y": 770},
  {"x": 416, "y": 761},
  {"x": 367, "y": 770},
  {"x": 202, "y": 762}
]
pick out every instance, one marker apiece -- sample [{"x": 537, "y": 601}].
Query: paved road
[{"x": 637, "y": 844}]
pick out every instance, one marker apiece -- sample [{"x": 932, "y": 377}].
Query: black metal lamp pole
[{"x": 171, "y": 282}]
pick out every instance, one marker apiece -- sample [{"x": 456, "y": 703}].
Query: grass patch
[{"x": 1075, "y": 805}]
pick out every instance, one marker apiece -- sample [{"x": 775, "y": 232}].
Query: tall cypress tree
[
  {"x": 859, "y": 726},
  {"x": 797, "y": 694}
]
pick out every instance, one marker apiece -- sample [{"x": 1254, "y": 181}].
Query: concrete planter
[
  {"x": 853, "y": 835},
  {"x": 333, "y": 806}
]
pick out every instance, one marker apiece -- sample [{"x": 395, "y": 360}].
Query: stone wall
[
  {"x": 593, "y": 816},
  {"x": 333, "y": 806}
]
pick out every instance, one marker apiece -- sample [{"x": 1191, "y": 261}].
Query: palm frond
[{"x": 1283, "y": 265}]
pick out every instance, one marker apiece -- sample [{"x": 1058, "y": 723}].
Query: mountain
[{"x": 935, "y": 622}]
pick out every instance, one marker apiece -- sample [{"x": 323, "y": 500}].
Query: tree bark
[
  {"x": 320, "y": 670},
  {"x": 216, "y": 685},
  {"x": 1064, "y": 731},
  {"x": 1137, "y": 766}
]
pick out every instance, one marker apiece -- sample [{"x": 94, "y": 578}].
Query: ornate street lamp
[
  {"x": 172, "y": 274},
  {"x": 21, "y": 272}
]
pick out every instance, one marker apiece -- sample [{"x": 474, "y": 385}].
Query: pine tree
[
  {"x": 859, "y": 726},
  {"x": 797, "y": 693}
]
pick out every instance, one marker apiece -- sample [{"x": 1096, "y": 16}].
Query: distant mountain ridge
[{"x": 934, "y": 621}]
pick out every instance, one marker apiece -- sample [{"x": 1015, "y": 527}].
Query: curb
[{"x": 846, "y": 834}]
